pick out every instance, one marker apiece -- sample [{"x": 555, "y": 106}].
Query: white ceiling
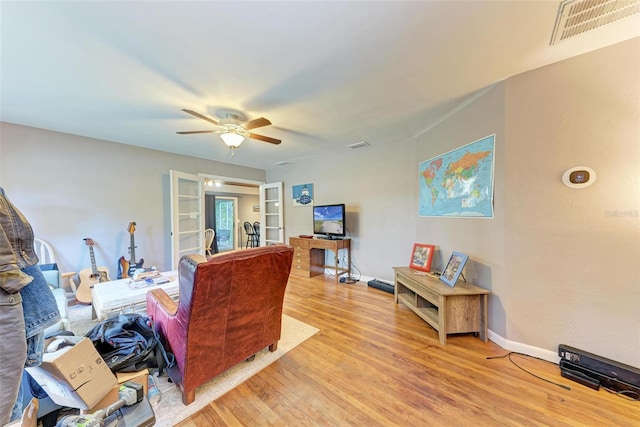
[{"x": 327, "y": 74}]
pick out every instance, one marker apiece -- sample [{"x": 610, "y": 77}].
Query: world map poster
[{"x": 459, "y": 183}]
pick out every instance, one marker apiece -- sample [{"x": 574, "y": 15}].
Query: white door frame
[{"x": 237, "y": 243}]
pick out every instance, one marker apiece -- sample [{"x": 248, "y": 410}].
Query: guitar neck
[
  {"x": 132, "y": 250},
  {"x": 94, "y": 267}
]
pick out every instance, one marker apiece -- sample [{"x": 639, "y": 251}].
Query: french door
[
  {"x": 187, "y": 215},
  {"x": 271, "y": 218}
]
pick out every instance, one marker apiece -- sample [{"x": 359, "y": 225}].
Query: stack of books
[{"x": 148, "y": 278}]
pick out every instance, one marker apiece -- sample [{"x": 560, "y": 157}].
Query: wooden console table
[
  {"x": 309, "y": 256},
  {"x": 449, "y": 310}
]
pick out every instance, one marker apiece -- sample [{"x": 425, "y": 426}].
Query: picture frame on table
[
  {"x": 454, "y": 267},
  {"x": 421, "y": 257}
]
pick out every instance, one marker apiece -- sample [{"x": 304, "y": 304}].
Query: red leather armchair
[{"x": 230, "y": 308}]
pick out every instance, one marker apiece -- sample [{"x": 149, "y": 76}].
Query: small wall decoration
[
  {"x": 302, "y": 195},
  {"x": 579, "y": 177},
  {"x": 454, "y": 268},
  {"x": 421, "y": 257}
]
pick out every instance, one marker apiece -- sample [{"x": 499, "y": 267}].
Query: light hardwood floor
[{"x": 377, "y": 364}]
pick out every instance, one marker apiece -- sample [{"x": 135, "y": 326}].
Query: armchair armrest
[
  {"x": 159, "y": 299},
  {"x": 162, "y": 310}
]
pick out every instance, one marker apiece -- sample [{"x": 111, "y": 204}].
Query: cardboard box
[
  {"x": 140, "y": 377},
  {"x": 75, "y": 376}
]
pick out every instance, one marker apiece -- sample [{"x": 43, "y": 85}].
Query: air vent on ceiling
[
  {"x": 359, "y": 144},
  {"x": 579, "y": 16}
]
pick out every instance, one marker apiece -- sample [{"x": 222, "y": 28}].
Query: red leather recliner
[{"x": 230, "y": 308}]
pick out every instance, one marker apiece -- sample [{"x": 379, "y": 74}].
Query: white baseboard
[
  {"x": 367, "y": 279},
  {"x": 529, "y": 350}
]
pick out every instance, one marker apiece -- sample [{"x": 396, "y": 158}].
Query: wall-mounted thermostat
[{"x": 579, "y": 177}]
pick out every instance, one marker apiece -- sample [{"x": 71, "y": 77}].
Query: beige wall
[
  {"x": 71, "y": 187},
  {"x": 377, "y": 186},
  {"x": 562, "y": 264},
  {"x": 573, "y": 255},
  {"x": 480, "y": 238}
]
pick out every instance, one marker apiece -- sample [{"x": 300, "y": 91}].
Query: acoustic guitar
[
  {"x": 127, "y": 268},
  {"x": 90, "y": 276}
]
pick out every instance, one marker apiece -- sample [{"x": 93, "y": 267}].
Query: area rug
[{"x": 170, "y": 410}]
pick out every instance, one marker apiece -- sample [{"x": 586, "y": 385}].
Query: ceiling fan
[{"x": 232, "y": 130}]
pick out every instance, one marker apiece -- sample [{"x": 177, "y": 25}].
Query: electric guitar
[
  {"x": 127, "y": 268},
  {"x": 90, "y": 276}
]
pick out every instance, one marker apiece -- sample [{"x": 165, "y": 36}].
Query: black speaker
[
  {"x": 595, "y": 371},
  {"x": 604, "y": 366},
  {"x": 383, "y": 286}
]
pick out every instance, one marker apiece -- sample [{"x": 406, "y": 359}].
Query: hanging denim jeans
[
  {"x": 40, "y": 311},
  {"x": 38, "y": 304}
]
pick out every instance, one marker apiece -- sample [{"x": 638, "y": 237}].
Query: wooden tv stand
[
  {"x": 309, "y": 256},
  {"x": 449, "y": 310}
]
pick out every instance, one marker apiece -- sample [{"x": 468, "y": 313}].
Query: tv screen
[{"x": 328, "y": 220}]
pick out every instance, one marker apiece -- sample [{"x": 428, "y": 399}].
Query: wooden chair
[
  {"x": 209, "y": 235},
  {"x": 251, "y": 234},
  {"x": 256, "y": 230}
]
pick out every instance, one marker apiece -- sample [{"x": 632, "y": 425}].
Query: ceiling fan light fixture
[{"x": 232, "y": 139}]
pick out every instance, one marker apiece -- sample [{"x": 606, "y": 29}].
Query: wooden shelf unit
[
  {"x": 449, "y": 310},
  {"x": 309, "y": 256}
]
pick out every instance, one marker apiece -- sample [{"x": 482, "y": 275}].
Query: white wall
[{"x": 71, "y": 187}]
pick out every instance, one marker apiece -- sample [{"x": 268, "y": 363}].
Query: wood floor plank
[{"x": 376, "y": 363}]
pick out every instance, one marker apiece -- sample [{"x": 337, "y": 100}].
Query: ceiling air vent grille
[
  {"x": 579, "y": 16},
  {"x": 359, "y": 144}
]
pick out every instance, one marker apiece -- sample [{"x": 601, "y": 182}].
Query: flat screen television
[{"x": 328, "y": 221}]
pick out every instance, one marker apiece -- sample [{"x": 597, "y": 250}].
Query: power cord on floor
[
  {"x": 508, "y": 355},
  {"x": 352, "y": 278}
]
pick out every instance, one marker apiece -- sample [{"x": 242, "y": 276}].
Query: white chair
[
  {"x": 209, "y": 235},
  {"x": 51, "y": 273}
]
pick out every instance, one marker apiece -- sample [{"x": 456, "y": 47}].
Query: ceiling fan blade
[
  {"x": 200, "y": 116},
  {"x": 195, "y": 131},
  {"x": 256, "y": 123},
  {"x": 263, "y": 138}
]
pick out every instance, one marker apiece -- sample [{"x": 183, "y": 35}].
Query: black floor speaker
[{"x": 383, "y": 286}]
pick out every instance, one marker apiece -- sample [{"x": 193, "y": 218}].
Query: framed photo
[
  {"x": 302, "y": 195},
  {"x": 421, "y": 257},
  {"x": 454, "y": 268}
]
